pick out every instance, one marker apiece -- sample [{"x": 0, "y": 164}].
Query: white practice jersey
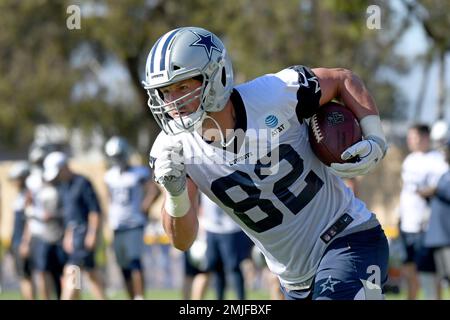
[
  {"x": 286, "y": 201},
  {"x": 419, "y": 170},
  {"x": 215, "y": 219},
  {"x": 126, "y": 191},
  {"x": 45, "y": 213},
  {"x": 34, "y": 181}
]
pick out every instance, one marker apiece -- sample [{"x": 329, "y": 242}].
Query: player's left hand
[{"x": 367, "y": 152}]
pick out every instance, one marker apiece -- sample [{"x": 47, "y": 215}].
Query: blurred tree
[
  {"x": 426, "y": 60},
  {"x": 433, "y": 16},
  {"x": 30, "y": 48},
  {"x": 51, "y": 74}
]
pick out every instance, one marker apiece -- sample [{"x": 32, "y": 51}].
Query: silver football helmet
[
  {"x": 439, "y": 134},
  {"x": 182, "y": 54},
  {"x": 38, "y": 152},
  {"x": 117, "y": 150},
  {"x": 19, "y": 170}
]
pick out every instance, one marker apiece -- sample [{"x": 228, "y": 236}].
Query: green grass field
[
  {"x": 161, "y": 294},
  {"x": 170, "y": 294}
]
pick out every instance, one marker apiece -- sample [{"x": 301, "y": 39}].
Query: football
[{"x": 333, "y": 129}]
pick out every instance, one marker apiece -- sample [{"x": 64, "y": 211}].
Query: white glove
[
  {"x": 169, "y": 169},
  {"x": 367, "y": 152}
]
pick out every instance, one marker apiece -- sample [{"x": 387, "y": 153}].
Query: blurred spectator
[
  {"x": 227, "y": 245},
  {"x": 438, "y": 234},
  {"x": 420, "y": 170},
  {"x": 193, "y": 261},
  {"x": 260, "y": 266},
  {"x": 397, "y": 254},
  {"x": 131, "y": 192},
  {"x": 82, "y": 221},
  {"x": 44, "y": 221},
  {"x": 195, "y": 282},
  {"x": 19, "y": 246}
]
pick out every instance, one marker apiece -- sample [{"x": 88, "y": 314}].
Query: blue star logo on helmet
[
  {"x": 205, "y": 41},
  {"x": 271, "y": 121}
]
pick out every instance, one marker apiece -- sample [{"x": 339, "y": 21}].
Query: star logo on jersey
[
  {"x": 329, "y": 285},
  {"x": 151, "y": 162},
  {"x": 207, "y": 42}
]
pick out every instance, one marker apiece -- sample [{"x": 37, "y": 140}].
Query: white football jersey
[
  {"x": 34, "y": 181},
  {"x": 45, "y": 213},
  {"x": 287, "y": 202},
  {"x": 126, "y": 196},
  {"x": 35, "y": 184}
]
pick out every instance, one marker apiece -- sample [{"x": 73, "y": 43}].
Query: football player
[
  {"x": 318, "y": 238},
  {"x": 421, "y": 171},
  {"x": 81, "y": 211},
  {"x": 131, "y": 192},
  {"x": 226, "y": 247},
  {"x": 20, "y": 237},
  {"x": 45, "y": 226}
]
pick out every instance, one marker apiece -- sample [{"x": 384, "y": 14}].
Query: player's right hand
[
  {"x": 369, "y": 153},
  {"x": 169, "y": 169}
]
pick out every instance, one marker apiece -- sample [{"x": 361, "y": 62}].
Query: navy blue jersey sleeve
[
  {"x": 443, "y": 188},
  {"x": 90, "y": 197},
  {"x": 143, "y": 173},
  {"x": 308, "y": 93}
]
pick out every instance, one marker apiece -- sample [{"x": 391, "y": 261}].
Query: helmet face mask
[
  {"x": 164, "y": 111},
  {"x": 182, "y": 54}
]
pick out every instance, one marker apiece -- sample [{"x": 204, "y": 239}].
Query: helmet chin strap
[
  {"x": 197, "y": 126},
  {"x": 222, "y": 138}
]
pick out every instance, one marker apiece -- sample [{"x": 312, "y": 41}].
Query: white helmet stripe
[
  {"x": 164, "y": 52},
  {"x": 152, "y": 56},
  {"x": 160, "y": 50}
]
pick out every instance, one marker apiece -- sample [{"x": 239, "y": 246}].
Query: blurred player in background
[
  {"x": 131, "y": 192},
  {"x": 45, "y": 226},
  {"x": 195, "y": 277},
  {"x": 437, "y": 236},
  {"x": 295, "y": 209},
  {"x": 262, "y": 272},
  {"x": 421, "y": 170},
  {"x": 19, "y": 248},
  {"x": 82, "y": 223},
  {"x": 226, "y": 247}
]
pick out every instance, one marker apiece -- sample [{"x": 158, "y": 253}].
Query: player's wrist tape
[
  {"x": 372, "y": 130},
  {"x": 177, "y": 206}
]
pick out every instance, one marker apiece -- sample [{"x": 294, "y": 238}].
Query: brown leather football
[{"x": 333, "y": 129}]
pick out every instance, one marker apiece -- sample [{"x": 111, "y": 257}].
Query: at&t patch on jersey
[{"x": 276, "y": 122}]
